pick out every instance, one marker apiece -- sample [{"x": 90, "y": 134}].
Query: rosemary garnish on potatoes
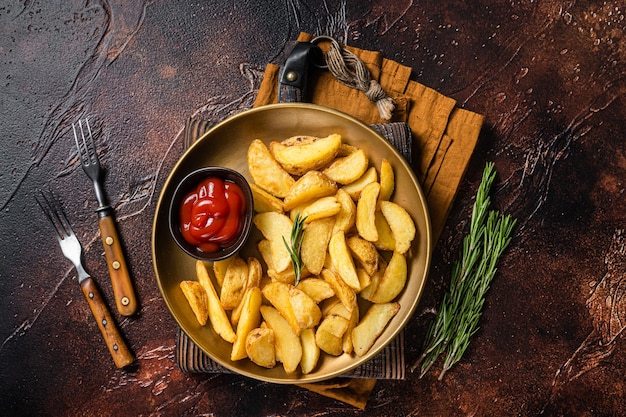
[
  {"x": 461, "y": 307},
  {"x": 295, "y": 245}
]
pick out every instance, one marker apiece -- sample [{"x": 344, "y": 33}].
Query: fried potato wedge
[
  {"x": 345, "y": 219},
  {"x": 387, "y": 181},
  {"x": 197, "y": 298},
  {"x": 372, "y": 325},
  {"x": 321, "y": 208},
  {"x": 401, "y": 224},
  {"x": 310, "y": 351},
  {"x": 315, "y": 240},
  {"x": 343, "y": 291},
  {"x": 366, "y": 212},
  {"x": 316, "y": 288},
  {"x": 220, "y": 267},
  {"x": 341, "y": 260},
  {"x": 354, "y": 188},
  {"x": 277, "y": 293},
  {"x": 392, "y": 281},
  {"x": 288, "y": 346},
  {"x": 353, "y": 319},
  {"x": 310, "y": 186},
  {"x": 299, "y": 140},
  {"x": 349, "y": 168},
  {"x": 274, "y": 226},
  {"x": 329, "y": 334},
  {"x": 375, "y": 279},
  {"x": 306, "y": 311},
  {"x": 385, "y": 240},
  {"x": 217, "y": 314},
  {"x": 255, "y": 274},
  {"x": 264, "y": 201},
  {"x": 364, "y": 253},
  {"x": 299, "y": 158},
  {"x": 266, "y": 172},
  {"x": 261, "y": 347},
  {"x": 250, "y": 319},
  {"x": 235, "y": 283}
]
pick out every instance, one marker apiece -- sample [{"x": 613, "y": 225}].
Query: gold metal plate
[{"x": 226, "y": 144}]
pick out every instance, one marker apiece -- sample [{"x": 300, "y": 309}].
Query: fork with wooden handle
[
  {"x": 73, "y": 251},
  {"x": 123, "y": 291}
]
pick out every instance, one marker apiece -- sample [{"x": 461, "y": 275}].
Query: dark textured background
[{"x": 548, "y": 75}]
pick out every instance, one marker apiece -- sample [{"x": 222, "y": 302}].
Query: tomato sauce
[{"x": 212, "y": 214}]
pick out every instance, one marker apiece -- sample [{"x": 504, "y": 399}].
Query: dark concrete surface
[{"x": 549, "y": 76}]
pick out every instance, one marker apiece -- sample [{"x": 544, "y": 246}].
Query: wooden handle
[
  {"x": 120, "y": 278},
  {"x": 122, "y": 356}
]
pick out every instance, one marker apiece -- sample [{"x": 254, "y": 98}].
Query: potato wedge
[
  {"x": 235, "y": 283},
  {"x": 319, "y": 209},
  {"x": 392, "y": 281},
  {"x": 385, "y": 235},
  {"x": 353, "y": 320},
  {"x": 255, "y": 274},
  {"x": 306, "y": 311},
  {"x": 310, "y": 351},
  {"x": 315, "y": 243},
  {"x": 299, "y": 158},
  {"x": 342, "y": 290},
  {"x": 277, "y": 293},
  {"x": 366, "y": 212},
  {"x": 341, "y": 260},
  {"x": 329, "y": 334},
  {"x": 365, "y": 279},
  {"x": 310, "y": 186},
  {"x": 197, "y": 298},
  {"x": 261, "y": 347},
  {"x": 316, "y": 288},
  {"x": 364, "y": 253},
  {"x": 288, "y": 276},
  {"x": 299, "y": 140},
  {"x": 217, "y": 314},
  {"x": 265, "y": 250},
  {"x": 266, "y": 172},
  {"x": 264, "y": 201},
  {"x": 387, "y": 181},
  {"x": 344, "y": 220},
  {"x": 250, "y": 319},
  {"x": 372, "y": 325},
  {"x": 401, "y": 224},
  {"x": 368, "y": 292},
  {"x": 274, "y": 226},
  {"x": 220, "y": 267},
  {"x": 349, "y": 168},
  {"x": 288, "y": 345},
  {"x": 354, "y": 188}
]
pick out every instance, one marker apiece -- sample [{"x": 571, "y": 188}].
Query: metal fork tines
[
  {"x": 120, "y": 278},
  {"x": 73, "y": 250}
]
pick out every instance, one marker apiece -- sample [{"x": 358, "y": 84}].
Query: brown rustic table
[{"x": 548, "y": 75}]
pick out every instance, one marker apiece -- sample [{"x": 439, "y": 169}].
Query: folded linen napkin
[{"x": 443, "y": 137}]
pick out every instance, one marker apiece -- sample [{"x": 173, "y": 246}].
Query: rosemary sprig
[
  {"x": 461, "y": 307},
  {"x": 295, "y": 245}
]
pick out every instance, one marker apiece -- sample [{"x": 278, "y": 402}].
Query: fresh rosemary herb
[
  {"x": 295, "y": 245},
  {"x": 461, "y": 307}
]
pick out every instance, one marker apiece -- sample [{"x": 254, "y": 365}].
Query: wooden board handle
[
  {"x": 123, "y": 291},
  {"x": 120, "y": 353}
]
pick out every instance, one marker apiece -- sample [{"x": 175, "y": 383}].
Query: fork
[
  {"x": 73, "y": 250},
  {"x": 123, "y": 291}
]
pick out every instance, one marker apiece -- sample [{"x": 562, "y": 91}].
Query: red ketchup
[{"x": 212, "y": 214}]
